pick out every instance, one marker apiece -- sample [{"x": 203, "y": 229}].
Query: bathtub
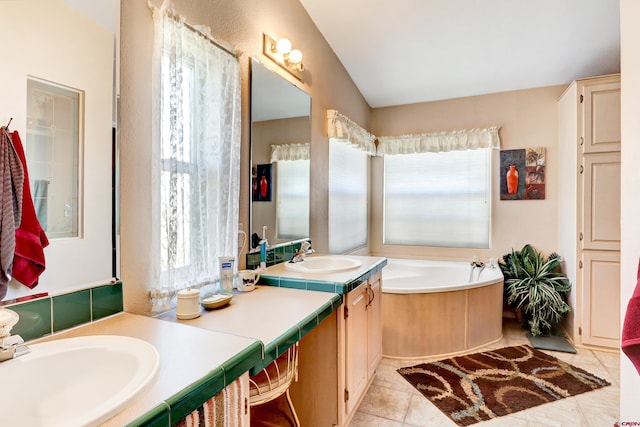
[{"x": 432, "y": 309}]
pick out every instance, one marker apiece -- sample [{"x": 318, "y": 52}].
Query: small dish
[{"x": 215, "y": 301}]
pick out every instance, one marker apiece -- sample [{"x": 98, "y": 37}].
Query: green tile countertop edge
[
  {"x": 296, "y": 333},
  {"x": 181, "y": 404},
  {"x": 320, "y": 285}
]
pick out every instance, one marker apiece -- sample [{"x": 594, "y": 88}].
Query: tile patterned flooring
[{"x": 392, "y": 402}]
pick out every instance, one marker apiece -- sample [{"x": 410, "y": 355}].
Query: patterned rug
[{"x": 482, "y": 386}]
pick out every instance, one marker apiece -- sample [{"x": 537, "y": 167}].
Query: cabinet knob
[
  {"x": 581, "y": 141},
  {"x": 581, "y": 236},
  {"x": 581, "y": 169}
]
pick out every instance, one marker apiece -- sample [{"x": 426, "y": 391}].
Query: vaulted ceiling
[{"x": 407, "y": 51}]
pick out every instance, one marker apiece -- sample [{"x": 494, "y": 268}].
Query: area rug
[{"x": 486, "y": 385}]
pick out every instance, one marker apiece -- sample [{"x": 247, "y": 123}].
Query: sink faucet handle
[{"x": 11, "y": 341}]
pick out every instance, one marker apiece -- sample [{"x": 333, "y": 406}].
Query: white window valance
[
  {"x": 290, "y": 152},
  {"x": 343, "y": 129},
  {"x": 471, "y": 139}
]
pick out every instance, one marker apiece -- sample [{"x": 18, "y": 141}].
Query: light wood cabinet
[
  {"x": 362, "y": 325},
  {"x": 589, "y": 207}
]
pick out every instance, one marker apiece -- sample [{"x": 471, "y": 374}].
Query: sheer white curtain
[{"x": 197, "y": 154}]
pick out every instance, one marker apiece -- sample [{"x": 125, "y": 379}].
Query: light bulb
[
  {"x": 283, "y": 46},
  {"x": 295, "y": 56}
]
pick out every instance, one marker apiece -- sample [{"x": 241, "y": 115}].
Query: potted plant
[{"x": 536, "y": 288}]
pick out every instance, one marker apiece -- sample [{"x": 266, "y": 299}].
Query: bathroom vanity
[
  {"x": 358, "y": 330},
  {"x": 335, "y": 318}
]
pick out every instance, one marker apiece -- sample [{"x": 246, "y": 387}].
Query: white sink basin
[
  {"x": 79, "y": 381},
  {"x": 323, "y": 264}
]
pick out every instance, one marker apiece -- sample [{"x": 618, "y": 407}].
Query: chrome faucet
[
  {"x": 305, "y": 249},
  {"x": 10, "y": 345},
  {"x": 475, "y": 263}
]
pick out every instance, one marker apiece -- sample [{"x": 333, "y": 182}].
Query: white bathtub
[
  {"x": 430, "y": 308},
  {"x": 409, "y": 276}
]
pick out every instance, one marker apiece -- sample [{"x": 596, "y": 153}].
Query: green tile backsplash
[
  {"x": 35, "y": 319},
  {"x": 71, "y": 310},
  {"x": 45, "y": 315},
  {"x": 275, "y": 255},
  {"x": 106, "y": 300}
]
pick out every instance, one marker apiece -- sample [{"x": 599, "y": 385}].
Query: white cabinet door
[
  {"x": 601, "y": 298},
  {"x": 601, "y": 202},
  {"x": 601, "y": 107},
  {"x": 356, "y": 375}
]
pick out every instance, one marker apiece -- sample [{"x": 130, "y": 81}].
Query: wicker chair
[{"x": 274, "y": 381}]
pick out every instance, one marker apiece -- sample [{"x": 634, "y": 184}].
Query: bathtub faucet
[{"x": 475, "y": 263}]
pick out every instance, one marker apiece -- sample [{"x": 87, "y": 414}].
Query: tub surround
[{"x": 438, "y": 320}]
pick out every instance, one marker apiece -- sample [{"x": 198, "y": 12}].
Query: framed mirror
[{"x": 280, "y": 136}]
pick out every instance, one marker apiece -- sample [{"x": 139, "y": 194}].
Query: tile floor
[{"x": 392, "y": 402}]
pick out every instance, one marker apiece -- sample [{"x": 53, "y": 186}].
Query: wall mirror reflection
[
  {"x": 280, "y": 135},
  {"x": 54, "y": 117}
]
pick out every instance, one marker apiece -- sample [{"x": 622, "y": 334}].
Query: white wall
[
  {"x": 630, "y": 191},
  {"x": 49, "y": 40}
]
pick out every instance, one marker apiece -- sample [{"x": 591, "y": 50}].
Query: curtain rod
[{"x": 208, "y": 37}]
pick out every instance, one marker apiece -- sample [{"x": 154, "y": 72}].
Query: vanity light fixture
[{"x": 282, "y": 53}]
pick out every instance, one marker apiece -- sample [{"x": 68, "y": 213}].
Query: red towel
[
  {"x": 28, "y": 262},
  {"x": 631, "y": 328}
]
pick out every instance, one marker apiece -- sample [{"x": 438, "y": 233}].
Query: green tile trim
[
  {"x": 286, "y": 282},
  {"x": 106, "y": 300},
  {"x": 157, "y": 417},
  {"x": 71, "y": 310},
  {"x": 192, "y": 397},
  {"x": 195, "y": 395},
  {"x": 242, "y": 362},
  {"x": 296, "y": 333},
  {"x": 35, "y": 319}
]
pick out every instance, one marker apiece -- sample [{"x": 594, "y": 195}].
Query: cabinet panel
[
  {"x": 356, "y": 373},
  {"x": 601, "y": 210},
  {"x": 601, "y": 298},
  {"x": 601, "y": 118},
  {"x": 374, "y": 321}
]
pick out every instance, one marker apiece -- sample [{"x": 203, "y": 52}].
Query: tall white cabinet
[{"x": 589, "y": 207}]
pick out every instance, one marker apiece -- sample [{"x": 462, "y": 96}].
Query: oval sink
[
  {"x": 80, "y": 381},
  {"x": 323, "y": 264}
]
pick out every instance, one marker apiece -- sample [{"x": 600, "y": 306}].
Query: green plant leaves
[{"x": 536, "y": 288}]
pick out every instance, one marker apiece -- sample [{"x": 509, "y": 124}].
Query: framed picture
[
  {"x": 261, "y": 183},
  {"x": 522, "y": 174}
]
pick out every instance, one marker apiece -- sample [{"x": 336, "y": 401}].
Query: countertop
[
  {"x": 338, "y": 282},
  {"x": 277, "y": 317},
  {"x": 187, "y": 356}
]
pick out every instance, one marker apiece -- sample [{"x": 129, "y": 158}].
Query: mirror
[
  {"x": 59, "y": 94},
  {"x": 280, "y": 122}
]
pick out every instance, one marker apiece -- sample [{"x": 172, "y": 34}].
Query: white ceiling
[{"x": 407, "y": 51}]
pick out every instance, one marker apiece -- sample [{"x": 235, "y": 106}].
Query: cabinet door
[
  {"x": 356, "y": 377},
  {"x": 374, "y": 324},
  {"x": 601, "y": 298},
  {"x": 601, "y": 202},
  {"x": 601, "y": 108}
]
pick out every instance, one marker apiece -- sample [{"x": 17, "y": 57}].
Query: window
[
  {"x": 293, "y": 199},
  {"x": 438, "y": 199},
  {"x": 348, "y": 197},
  {"x": 198, "y": 159}
]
